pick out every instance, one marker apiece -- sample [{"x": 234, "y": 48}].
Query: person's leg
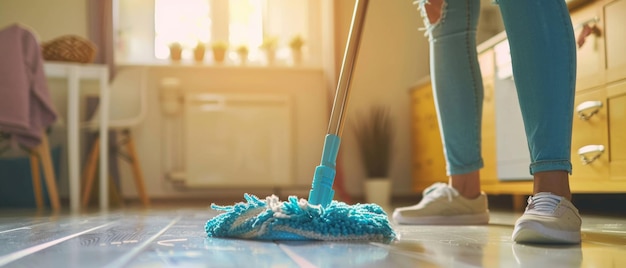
[
  {"x": 556, "y": 182},
  {"x": 457, "y": 86},
  {"x": 456, "y": 80},
  {"x": 543, "y": 54},
  {"x": 458, "y": 90},
  {"x": 467, "y": 184}
]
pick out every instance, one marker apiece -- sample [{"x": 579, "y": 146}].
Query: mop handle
[
  {"x": 322, "y": 187},
  {"x": 335, "y": 126}
]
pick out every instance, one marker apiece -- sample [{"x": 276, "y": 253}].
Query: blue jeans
[{"x": 543, "y": 53}]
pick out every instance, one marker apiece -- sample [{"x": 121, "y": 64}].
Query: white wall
[
  {"x": 50, "y": 19},
  {"x": 306, "y": 86},
  {"x": 392, "y": 57}
]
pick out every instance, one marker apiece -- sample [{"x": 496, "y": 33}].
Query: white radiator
[{"x": 237, "y": 140}]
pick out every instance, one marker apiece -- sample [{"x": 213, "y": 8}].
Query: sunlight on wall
[
  {"x": 186, "y": 24},
  {"x": 246, "y": 23},
  {"x": 146, "y": 28},
  {"x": 191, "y": 23}
]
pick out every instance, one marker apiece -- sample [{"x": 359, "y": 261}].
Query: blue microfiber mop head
[{"x": 271, "y": 219}]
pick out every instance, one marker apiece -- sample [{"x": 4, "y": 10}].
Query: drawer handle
[
  {"x": 583, "y": 151},
  {"x": 589, "y": 27},
  {"x": 581, "y": 108},
  {"x": 594, "y": 21}
]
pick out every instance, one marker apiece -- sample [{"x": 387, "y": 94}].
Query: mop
[{"x": 320, "y": 217}]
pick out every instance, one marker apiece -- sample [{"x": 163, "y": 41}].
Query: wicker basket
[{"x": 70, "y": 48}]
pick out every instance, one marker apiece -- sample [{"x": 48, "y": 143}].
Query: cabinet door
[
  {"x": 428, "y": 159},
  {"x": 589, "y": 31},
  {"x": 590, "y": 157},
  {"x": 617, "y": 130},
  {"x": 615, "y": 19}
]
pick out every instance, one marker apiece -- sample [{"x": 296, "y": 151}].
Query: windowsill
[{"x": 225, "y": 65}]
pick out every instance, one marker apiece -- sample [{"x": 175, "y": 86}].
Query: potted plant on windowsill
[
  {"x": 242, "y": 51},
  {"x": 374, "y": 133},
  {"x": 198, "y": 52},
  {"x": 176, "y": 50},
  {"x": 295, "y": 44},
  {"x": 219, "y": 51},
  {"x": 269, "y": 45}
]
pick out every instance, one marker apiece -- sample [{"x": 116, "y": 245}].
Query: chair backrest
[{"x": 129, "y": 97}]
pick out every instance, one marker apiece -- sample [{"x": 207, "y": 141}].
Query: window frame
[{"x": 135, "y": 51}]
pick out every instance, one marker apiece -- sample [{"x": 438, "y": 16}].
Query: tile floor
[{"x": 175, "y": 238}]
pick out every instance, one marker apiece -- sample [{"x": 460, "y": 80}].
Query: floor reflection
[{"x": 176, "y": 238}]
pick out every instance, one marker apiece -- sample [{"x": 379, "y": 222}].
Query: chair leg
[
  {"x": 48, "y": 170},
  {"x": 36, "y": 175},
  {"x": 137, "y": 172},
  {"x": 90, "y": 171}
]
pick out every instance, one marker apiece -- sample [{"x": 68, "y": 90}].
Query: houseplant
[
  {"x": 219, "y": 51},
  {"x": 242, "y": 51},
  {"x": 374, "y": 136},
  {"x": 198, "y": 52},
  {"x": 269, "y": 45},
  {"x": 296, "y": 43},
  {"x": 176, "y": 50}
]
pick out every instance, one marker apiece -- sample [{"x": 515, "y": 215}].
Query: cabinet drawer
[
  {"x": 590, "y": 116},
  {"x": 617, "y": 130},
  {"x": 589, "y": 33},
  {"x": 589, "y": 130},
  {"x": 615, "y": 19}
]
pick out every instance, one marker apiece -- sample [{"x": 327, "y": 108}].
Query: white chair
[{"x": 129, "y": 107}]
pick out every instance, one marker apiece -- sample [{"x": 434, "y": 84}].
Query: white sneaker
[
  {"x": 442, "y": 205},
  {"x": 549, "y": 219}
]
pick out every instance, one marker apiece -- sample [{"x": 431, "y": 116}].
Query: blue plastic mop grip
[{"x": 322, "y": 187}]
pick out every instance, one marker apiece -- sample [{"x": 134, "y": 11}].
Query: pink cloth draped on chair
[{"x": 26, "y": 108}]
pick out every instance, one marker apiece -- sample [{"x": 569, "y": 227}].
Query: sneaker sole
[
  {"x": 533, "y": 232},
  {"x": 470, "y": 219}
]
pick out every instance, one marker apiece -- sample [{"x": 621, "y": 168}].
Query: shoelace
[
  {"x": 543, "y": 203},
  {"x": 439, "y": 190}
]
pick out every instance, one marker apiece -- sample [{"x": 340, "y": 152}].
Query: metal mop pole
[{"x": 322, "y": 192}]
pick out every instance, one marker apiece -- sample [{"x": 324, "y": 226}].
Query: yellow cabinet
[
  {"x": 599, "y": 128},
  {"x": 590, "y": 156},
  {"x": 617, "y": 130},
  {"x": 615, "y": 36},
  {"x": 600, "y": 36},
  {"x": 428, "y": 160},
  {"x": 589, "y": 31}
]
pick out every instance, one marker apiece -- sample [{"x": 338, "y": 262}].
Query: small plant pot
[
  {"x": 219, "y": 55},
  {"x": 270, "y": 55},
  {"x": 198, "y": 54},
  {"x": 296, "y": 56},
  {"x": 243, "y": 57},
  {"x": 175, "y": 53}
]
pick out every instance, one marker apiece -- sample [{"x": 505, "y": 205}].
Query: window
[
  {"x": 146, "y": 28},
  {"x": 186, "y": 24}
]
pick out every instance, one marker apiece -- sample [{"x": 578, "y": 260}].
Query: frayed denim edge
[{"x": 421, "y": 6}]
